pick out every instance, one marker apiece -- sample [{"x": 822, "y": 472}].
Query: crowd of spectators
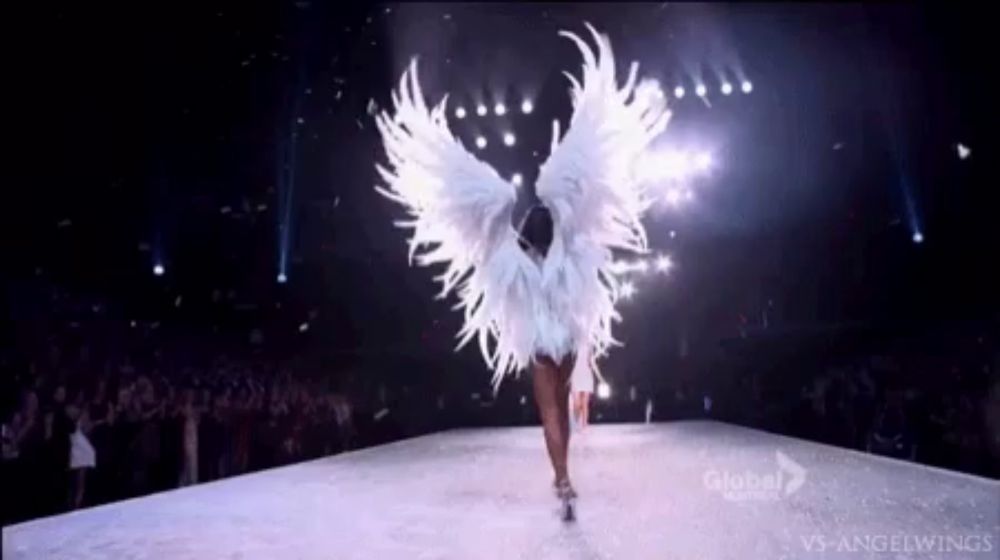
[
  {"x": 81, "y": 431},
  {"x": 950, "y": 420},
  {"x": 74, "y": 441}
]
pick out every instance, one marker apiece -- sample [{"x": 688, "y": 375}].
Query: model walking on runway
[{"x": 535, "y": 296}]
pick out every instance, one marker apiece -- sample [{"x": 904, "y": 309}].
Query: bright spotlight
[
  {"x": 158, "y": 269},
  {"x": 527, "y": 106},
  {"x": 675, "y": 163},
  {"x": 282, "y": 278},
  {"x": 460, "y": 112},
  {"x": 481, "y": 110},
  {"x": 509, "y": 139},
  {"x": 673, "y": 197},
  {"x": 701, "y": 90},
  {"x": 663, "y": 263},
  {"x": 628, "y": 290},
  {"x": 747, "y": 86},
  {"x": 517, "y": 179},
  {"x": 679, "y": 92},
  {"x": 500, "y": 109},
  {"x": 603, "y": 390},
  {"x": 648, "y": 90},
  {"x": 480, "y": 142},
  {"x": 918, "y": 237},
  {"x": 703, "y": 161},
  {"x": 727, "y": 88},
  {"x": 963, "y": 151}
]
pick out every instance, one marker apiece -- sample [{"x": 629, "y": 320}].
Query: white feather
[
  {"x": 460, "y": 213},
  {"x": 589, "y": 185}
]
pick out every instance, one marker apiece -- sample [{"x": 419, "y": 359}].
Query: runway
[{"x": 663, "y": 491}]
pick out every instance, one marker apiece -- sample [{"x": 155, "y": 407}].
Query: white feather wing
[
  {"x": 589, "y": 184},
  {"x": 460, "y": 213}
]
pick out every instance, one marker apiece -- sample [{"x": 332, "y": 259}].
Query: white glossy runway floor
[{"x": 664, "y": 491}]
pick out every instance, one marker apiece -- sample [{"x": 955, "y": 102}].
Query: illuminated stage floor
[{"x": 647, "y": 491}]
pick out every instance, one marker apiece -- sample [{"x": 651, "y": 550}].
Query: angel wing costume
[{"x": 460, "y": 215}]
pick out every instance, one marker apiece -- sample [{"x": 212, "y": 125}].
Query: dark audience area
[{"x": 91, "y": 417}]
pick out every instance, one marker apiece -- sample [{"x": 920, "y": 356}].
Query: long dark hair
[{"x": 537, "y": 229}]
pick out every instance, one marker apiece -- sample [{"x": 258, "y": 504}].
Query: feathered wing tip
[
  {"x": 589, "y": 183},
  {"x": 458, "y": 209},
  {"x": 555, "y": 135}
]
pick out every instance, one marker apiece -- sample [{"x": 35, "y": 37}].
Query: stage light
[
  {"x": 727, "y": 88},
  {"x": 627, "y": 290},
  {"x": 663, "y": 263},
  {"x": 918, "y": 237},
  {"x": 675, "y": 164},
  {"x": 701, "y": 90},
  {"x": 517, "y": 179},
  {"x": 481, "y": 110},
  {"x": 648, "y": 90},
  {"x": 703, "y": 161},
  {"x": 688, "y": 195},
  {"x": 603, "y": 390},
  {"x": 673, "y": 234},
  {"x": 672, "y": 165},
  {"x": 303, "y": 327},
  {"x": 480, "y": 142},
  {"x": 527, "y": 106},
  {"x": 282, "y": 278},
  {"x": 509, "y": 139},
  {"x": 158, "y": 270},
  {"x": 679, "y": 92},
  {"x": 747, "y": 86},
  {"x": 640, "y": 266},
  {"x": 460, "y": 112},
  {"x": 673, "y": 197},
  {"x": 500, "y": 109},
  {"x": 963, "y": 151}
]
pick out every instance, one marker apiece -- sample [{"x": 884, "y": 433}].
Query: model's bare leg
[
  {"x": 552, "y": 398},
  {"x": 562, "y": 397},
  {"x": 80, "y": 476},
  {"x": 581, "y": 408}
]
